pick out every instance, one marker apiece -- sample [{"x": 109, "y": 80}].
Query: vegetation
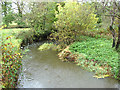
[
  {"x": 41, "y": 19},
  {"x": 7, "y": 11},
  {"x": 99, "y": 51},
  {"x": 71, "y": 19},
  {"x": 11, "y": 56},
  {"x": 83, "y": 33},
  {"x": 47, "y": 46}
]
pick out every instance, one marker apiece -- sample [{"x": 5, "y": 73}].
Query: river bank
[
  {"x": 22, "y": 39},
  {"x": 43, "y": 69},
  {"x": 95, "y": 55},
  {"x": 11, "y": 56},
  {"x": 12, "y": 43}
]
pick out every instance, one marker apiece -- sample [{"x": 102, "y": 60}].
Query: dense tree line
[{"x": 63, "y": 21}]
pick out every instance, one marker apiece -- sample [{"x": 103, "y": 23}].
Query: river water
[{"x": 43, "y": 69}]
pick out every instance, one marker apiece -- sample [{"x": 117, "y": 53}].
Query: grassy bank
[
  {"x": 94, "y": 55},
  {"x": 11, "y": 55},
  {"x": 12, "y": 41}
]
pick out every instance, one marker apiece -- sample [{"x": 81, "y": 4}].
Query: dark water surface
[{"x": 43, "y": 69}]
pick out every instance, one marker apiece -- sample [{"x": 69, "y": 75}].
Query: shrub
[
  {"x": 71, "y": 19},
  {"x": 47, "y": 46},
  {"x": 11, "y": 62},
  {"x": 10, "y": 59}
]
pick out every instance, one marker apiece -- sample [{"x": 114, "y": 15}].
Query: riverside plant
[
  {"x": 98, "y": 52},
  {"x": 47, "y": 46},
  {"x": 11, "y": 62},
  {"x": 95, "y": 55},
  {"x": 80, "y": 59}
]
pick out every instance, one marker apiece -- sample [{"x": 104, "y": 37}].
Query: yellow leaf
[
  {"x": 18, "y": 53},
  {"x": 106, "y": 75},
  {"x": 5, "y": 48},
  {"x": 10, "y": 56},
  {"x": 102, "y": 76},
  {"x": 5, "y": 26},
  {"x": 12, "y": 66}
]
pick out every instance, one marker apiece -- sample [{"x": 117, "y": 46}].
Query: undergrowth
[
  {"x": 99, "y": 51},
  {"x": 11, "y": 56}
]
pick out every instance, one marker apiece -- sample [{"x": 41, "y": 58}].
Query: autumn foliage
[{"x": 71, "y": 19}]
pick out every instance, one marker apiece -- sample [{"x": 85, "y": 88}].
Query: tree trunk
[
  {"x": 19, "y": 9},
  {"x": 44, "y": 18},
  {"x": 5, "y": 9},
  {"x": 113, "y": 31},
  {"x": 118, "y": 41},
  {"x": 114, "y": 36}
]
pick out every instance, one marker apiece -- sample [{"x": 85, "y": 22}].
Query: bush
[
  {"x": 47, "y": 46},
  {"x": 11, "y": 62},
  {"x": 71, "y": 19},
  {"x": 10, "y": 58}
]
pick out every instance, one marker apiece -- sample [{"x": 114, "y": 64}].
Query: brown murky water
[{"x": 43, "y": 69}]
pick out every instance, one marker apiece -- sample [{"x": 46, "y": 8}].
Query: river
[{"x": 43, "y": 69}]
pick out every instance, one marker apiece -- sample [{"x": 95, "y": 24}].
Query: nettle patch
[{"x": 98, "y": 55}]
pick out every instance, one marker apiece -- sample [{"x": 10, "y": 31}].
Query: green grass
[
  {"x": 18, "y": 34},
  {"x": 14, "y": 32},
  {"x": 99, "y": 50}
]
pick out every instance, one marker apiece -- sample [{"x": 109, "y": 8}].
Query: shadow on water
[{"x": 43, "y": 69}]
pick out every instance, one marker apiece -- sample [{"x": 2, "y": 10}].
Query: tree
[
  {"x": 71, "y": 19},
  {"x": 113, "y": 10},
  {"x": 20, "y": 4},
  {"x": 41, "y": 17},
  {"x": 118, "y": 41},
  {"x": 0, "y": 13},
  {"x": 7, "y": 13}
]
